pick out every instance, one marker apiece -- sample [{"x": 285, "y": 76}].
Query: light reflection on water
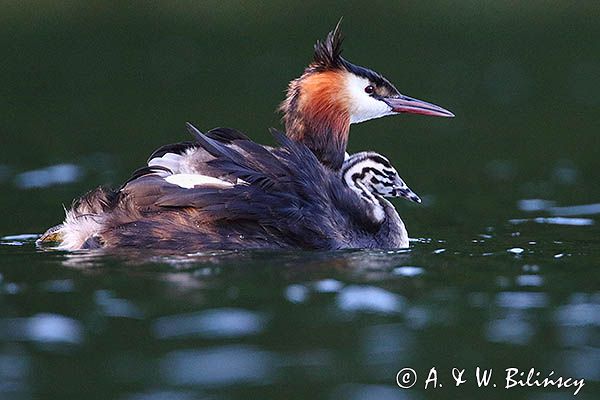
[
  {"x": 213, "y": 323},
  {"x": 219, "y": 366},
  {"x": 53, "y": 175},
  {"x": 533, "y": 205},
  {"x": 41, "y": 329},
  {"x": 369, "y": 299},
  {"x": 555, "y": 221}
]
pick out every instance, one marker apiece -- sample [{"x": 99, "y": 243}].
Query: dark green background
[{"x": 102, "y": 84}]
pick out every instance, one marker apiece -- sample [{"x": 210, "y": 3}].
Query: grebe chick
[{"x": 371, "y": 176}]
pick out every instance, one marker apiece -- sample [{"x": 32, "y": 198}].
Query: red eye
[{"x": 369, "y": 89}]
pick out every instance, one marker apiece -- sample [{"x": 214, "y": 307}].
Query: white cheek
[{"x": 362, "y": 106}]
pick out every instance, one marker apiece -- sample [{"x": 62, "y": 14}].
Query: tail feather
[
  {"x": 83, "y": 221},
  {"x": 52, "y": 235}
]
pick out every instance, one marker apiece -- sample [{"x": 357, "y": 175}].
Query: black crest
[
  {"x": 328, "y": 56},
  {"x": 328, "y": 52}
]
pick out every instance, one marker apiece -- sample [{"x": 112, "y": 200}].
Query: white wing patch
[
  {"x": 171, "y": 161},
  {"x": 189, "y": 181},
  {"x": 183, "y": 175}
]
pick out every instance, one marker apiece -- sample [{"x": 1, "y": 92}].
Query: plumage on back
[{"x": 284, "y": 198}]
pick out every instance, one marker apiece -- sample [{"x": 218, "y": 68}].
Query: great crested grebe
[
  {"x": 333, "y": 93},
  {"x": 284, "y": 198},
  {"x": 319, "y": 107}
]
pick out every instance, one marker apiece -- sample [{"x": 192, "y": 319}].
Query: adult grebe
[
  {"x": 333, "y": 93},
  {"x": 319, "y": 107},
  {"x": 284, "y": 198}
]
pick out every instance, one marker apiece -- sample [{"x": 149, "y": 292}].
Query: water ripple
[
  {"x": 522, "y": 300},
  {"x": 585, "y": 209},
  {"x": 369, "y": 299},
  {"x": 554, "y": 221},
  {"x": 213, "y": 323},
  {"x": 408, "y": 271},
  {"x": 53, "y": 175},
  {"x": 296, "y": 293},
  {"x": 42, "y": 328},
  {"x": 219, "y": 366}
]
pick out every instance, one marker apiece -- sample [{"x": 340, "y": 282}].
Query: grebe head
[
  {"x": 333, "y": 93},
  {"x": 370, "y": 174}
]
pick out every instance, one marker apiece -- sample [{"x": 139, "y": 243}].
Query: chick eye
[{"x": 369, "y": 89}]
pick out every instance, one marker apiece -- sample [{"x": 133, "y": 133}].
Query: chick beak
[
  {"x": 405, "y": 104},
  {"x": 406, "y": 193}
]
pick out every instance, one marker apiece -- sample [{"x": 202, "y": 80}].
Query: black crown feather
[{"x": 328, "y": 52}]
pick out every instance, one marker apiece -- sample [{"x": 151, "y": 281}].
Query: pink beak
[{"x": 405, "y": 104}]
